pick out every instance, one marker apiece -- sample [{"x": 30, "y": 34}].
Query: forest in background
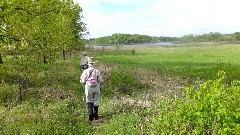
[{"x": 128, "y": 39}]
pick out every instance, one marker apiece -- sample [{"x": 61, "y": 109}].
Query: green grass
[
  {"x": 55, "y": 117},
  {"x": 129, "y": 125},
  {"x": 54, "y": 103},
  {"x": 185, "y": 61}
]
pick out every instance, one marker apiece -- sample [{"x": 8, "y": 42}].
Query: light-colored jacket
[
  {"x": 92, "y": 93},
  {"x": 85, "y": 75}
]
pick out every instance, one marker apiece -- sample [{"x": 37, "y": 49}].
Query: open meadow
[
  {"x": 193, "y": 61},
  {"x": 147, "y": 90}
]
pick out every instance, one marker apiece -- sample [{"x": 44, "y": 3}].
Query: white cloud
[{"x": 162, "y": 18}]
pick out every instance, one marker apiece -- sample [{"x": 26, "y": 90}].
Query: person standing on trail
[
  {"x": 92, "y": 79},
  {"x": 84, "y": 61}
]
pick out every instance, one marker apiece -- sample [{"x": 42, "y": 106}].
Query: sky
[{"x": 173, "y": 18}]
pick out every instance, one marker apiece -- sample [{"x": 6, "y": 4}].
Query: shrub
[
  {"x": 212, "y": 108},
  {"x": 133, "y": 52}
]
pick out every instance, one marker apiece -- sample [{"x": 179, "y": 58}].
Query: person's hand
[{"x": 82, "y": 82}]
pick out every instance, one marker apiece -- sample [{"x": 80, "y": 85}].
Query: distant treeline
[
  {"x": 211, "y": 37},
  {"x": 130, "y": 39},
  {"x": 127, "y": 39}
]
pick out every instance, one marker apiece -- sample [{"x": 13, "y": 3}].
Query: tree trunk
[
  {"x": 20, "y": 88},
  {"x": 63, "y": 55},
  {"x": 44, "y": 60},
  {"x": 1, "y": 60},
  {"x": 20, "y": 93}
]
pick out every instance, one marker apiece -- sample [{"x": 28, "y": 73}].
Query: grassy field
[
  {"x": 196, "y": 61},
  {"x": 142, "y": 94}
]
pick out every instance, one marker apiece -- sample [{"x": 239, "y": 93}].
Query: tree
[
  {"x": 237, "y": 36},
  {"x": 37, "y": 30}
]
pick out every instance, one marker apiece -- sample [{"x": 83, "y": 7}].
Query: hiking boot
[
  {"x": 95, "y": 112},
  {"x": 90, "y": 111},
  {"x": 95, "y": 116},
  {"x": 91, "y": 117}
]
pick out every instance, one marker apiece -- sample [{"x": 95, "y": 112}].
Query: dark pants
[{"x": 92, "y": 111}]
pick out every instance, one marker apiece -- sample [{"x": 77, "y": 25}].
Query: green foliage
[
  {"x": 232, "y": 71},
  {"x": 210, "y": 37},
  {"x": 52, "y": 104},
  {"x": 212, "y": 108},
  {"x": 127, "y": 39},
  {"x": 237, "y": 36},
  {"x": 40, "y": 29},
  {"x": 34, "y": 32},
  {"x": 133, "y": 51}
]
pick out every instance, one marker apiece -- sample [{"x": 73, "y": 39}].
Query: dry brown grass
[
  {"x": 47, "y": 93},
  {"x": 160, "y": 86}
]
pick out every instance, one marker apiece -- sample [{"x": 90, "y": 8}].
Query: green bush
[
  {"x": 232, "y": 71},
  {"x": 212, "y": 108},
  {"x": 133, "y": 52}
]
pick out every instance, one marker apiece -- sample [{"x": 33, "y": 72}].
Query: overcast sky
[{"x": 160, "y": 17}]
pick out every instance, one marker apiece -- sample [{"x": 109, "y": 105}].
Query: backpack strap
[{"x": 90, "y": 73}]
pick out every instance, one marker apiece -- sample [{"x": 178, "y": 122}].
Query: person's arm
[
  {"x": 100, "y": 79},
  {"x": 83, "y": 77}
]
